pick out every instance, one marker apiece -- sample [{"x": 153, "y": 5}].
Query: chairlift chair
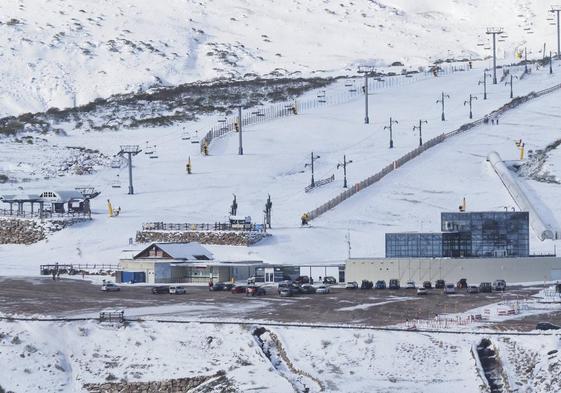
[
  {"x": 116, "y": 162},
  {"x": 116, "y": 183},
  {"x": 154, "y": 154}
]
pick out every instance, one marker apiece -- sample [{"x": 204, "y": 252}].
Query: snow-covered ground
[
  {"x": 43, "y": 355},
  {"x": 410, "y": 199},
  {"x": 59, "y": 53}
]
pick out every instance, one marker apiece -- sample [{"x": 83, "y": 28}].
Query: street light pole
[
  {"x": 344, "y": 165},
  {"x": 494, "y": 31},
  {"x": 420, "y": 128},
  {"x": 441, "y": 101},
  {"x": 312, "y": 159},
  {"x": 471, "y": 98},
  {"x": 511, "y": 83},
  {"x": 484, "y": 82},
  {"x": 390, "y": 127}
]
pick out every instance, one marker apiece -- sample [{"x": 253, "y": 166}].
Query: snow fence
[{"x": 431, "y": 143}]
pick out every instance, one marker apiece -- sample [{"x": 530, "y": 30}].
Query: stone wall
[
  {"x": 29, "y": 231},
  {"x": 178, "y": 385},
  {"x": 228, "y": 238}
]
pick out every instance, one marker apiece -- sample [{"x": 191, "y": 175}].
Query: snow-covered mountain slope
[
  {"x": 58, "y": 53},
  {"x": 276, "y": 153}
]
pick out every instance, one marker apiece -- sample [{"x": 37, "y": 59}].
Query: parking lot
[{"x": 31, "y": 296}]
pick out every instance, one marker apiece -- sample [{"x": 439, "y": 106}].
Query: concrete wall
[{"x": 512, "y": 270}]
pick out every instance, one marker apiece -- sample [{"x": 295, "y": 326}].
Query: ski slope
[
  {"x": 410, "y": 199},
  {"x": 62, "y": 53}
]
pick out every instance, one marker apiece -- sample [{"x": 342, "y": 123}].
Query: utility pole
[
  {"x": 556, "y": 9},
  {"x": 525, "y": 60},
  {"x": 441, "y": 101},
  {"x": 390, "y": 127},
  {"x": 240, "y": 150},
  {"x": 550, "y": 63},
  {"x": 368, "y": 71},
  {"x": 494, "y": 31},
  {"x": 312, "y": 159},
  {"x": 344, "y": 165},
  {"x": 420, "y": 128},
  {"x": 511, "y": 83},
  {"x": 130, "y": 151},
  {"x": 484, "y": 82},
  {"x": 471, "y": 98}
]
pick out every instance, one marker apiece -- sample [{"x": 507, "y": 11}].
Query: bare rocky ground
[{"x": 31, "y": 296}]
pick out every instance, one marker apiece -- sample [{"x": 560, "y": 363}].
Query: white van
[
  {"x": 449, "y": 288},
  {"x": 177, "y": 290}
]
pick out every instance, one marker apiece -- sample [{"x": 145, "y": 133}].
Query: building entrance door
[{"x": 269, "y": 275}]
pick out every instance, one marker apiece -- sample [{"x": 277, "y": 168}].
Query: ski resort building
[
  {"x": 193, "y": 263},
  {"x": 69, "y": 201},
  {"x": 467, "y": 235}
]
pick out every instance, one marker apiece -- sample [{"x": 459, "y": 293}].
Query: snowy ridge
[{"x": 61, "y": 53}]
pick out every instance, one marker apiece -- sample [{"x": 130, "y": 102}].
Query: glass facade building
[{"x": 466, "y": 235}]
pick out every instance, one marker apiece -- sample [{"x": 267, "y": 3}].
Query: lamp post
[
  {"x": 344, "y": 165},
  {"x": 313, "y": 158},
  {"x": 390, "y": 127},
  {"x": 442, "y": 101},
  {"x": 471, "y": 98},
  {"x": 484, "y": 83},
  {"x": 511, "y": 83},
  {"x": 420, "y": 128}
]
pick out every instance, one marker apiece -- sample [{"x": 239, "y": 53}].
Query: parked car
[
  {"x": 462, "y": 284},
  {"x": 286, "y": 292},
  {"x": 160, "y": 289},
  {"x": 110, "y": 287},
  {"x": 251, "y": 280},
  {"x": 177, "y": 290},
  {"x": 238, "y": 289},
  {"x": 322, "y": 289},
  {"x": 485, "y": 287},
  {"x": 410, "y": 285},
  {"x": 439, "y": 284},
  {"x": 285, "y": 285},
  {"x": 352, "y": 285},
  {"x": 302, "y": 280},
  {"x": 547, "y": 326},
  {"x": 472, "y": 289},
  {"x": 449, "y": 288},
  {"x": 307, "y": 289},
  {"x": 366, "y": 284},
  {"x": 499, "y": 285},
  {"x": 329, "y": 280},
  {"x": 394, "y": 283},
  {"x": 427, "y": 285},
  {"x": 380, "y": 284},
  {"x": 253, "y": 290},
  {"x": 219, "y": 286},
  {"x": 422, "y": 291}
]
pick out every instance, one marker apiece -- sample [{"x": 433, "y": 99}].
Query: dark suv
[
  {"x": 394, "y": 283},
  {"x": 380, "y": 284},
  {"x": 440, "y": 284},
  {"x": 427, "y": 285},
  {"x": 329, "y": 280},
  {"x": 159, "y": 290}
]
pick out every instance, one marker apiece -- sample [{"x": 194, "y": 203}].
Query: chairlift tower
[
  {"x": 368, "y": 71},
  {"x": 556, "y": 9},
  {"x": 494, "y": 31},
  {"x": 129, "y": 151}
]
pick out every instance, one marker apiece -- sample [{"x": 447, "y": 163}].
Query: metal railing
[
  {"x": 44, "y": 214},
  {"x": 218, "y": 226}
]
